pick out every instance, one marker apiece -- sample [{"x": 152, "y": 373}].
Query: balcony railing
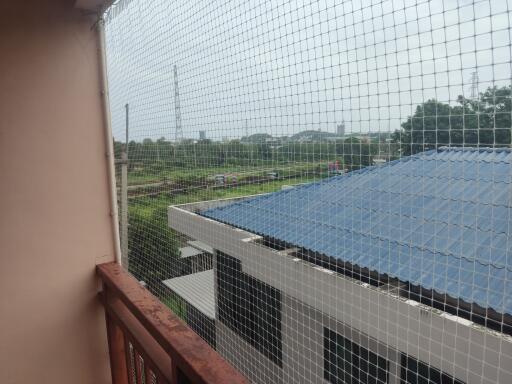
[{"x": 149, "y": 344}]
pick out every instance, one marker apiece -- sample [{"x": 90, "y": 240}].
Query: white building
[
  {"x": 340, "y": 129},
  {"x": 305, "y": 291}
]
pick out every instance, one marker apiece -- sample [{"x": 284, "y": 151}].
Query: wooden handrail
[{"x": 171, "y": 351}]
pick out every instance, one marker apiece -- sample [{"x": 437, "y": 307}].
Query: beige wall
[{"x": 54, "y": 196}]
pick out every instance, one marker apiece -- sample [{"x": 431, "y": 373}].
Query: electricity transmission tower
[
  {"x": 474, "y": 85},
  {"x": 177, "y": 108}
]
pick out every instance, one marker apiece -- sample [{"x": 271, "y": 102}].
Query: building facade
[{"x": 287, "y": 314}]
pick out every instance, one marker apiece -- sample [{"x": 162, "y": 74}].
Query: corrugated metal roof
[
  {"x": 189, "y": 252},
  {"x": 197, "y": 289},
  {"x": 200, "y": 246},
  {"x": 440, "y": 219}
]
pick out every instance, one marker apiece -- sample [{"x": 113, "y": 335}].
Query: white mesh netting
[{"x": 322, "y": 190}]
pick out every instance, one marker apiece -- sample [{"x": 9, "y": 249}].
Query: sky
[{"x": 280, "y": 67}]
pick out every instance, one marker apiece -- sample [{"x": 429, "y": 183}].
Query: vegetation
[
  {"x": 485, "y": 121},
  {"x": 205, "y": 175},
  {"x": 176, "y": 305},
  {"x": 153, "y": 247},
  {"x": 150, "y": 243},
  {"x": 193, "y": 163}
]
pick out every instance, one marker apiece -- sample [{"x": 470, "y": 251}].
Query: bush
[{"x": 153, "y": 250}]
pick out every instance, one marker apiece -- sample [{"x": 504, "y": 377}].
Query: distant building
[
  {"x": 340, "y": 129},
  {"x": 379, "y": 160},
  {"x": 220, "y": 179},
  {"x": 362, "y": 138},
  {"x": 202, "y": 135}
]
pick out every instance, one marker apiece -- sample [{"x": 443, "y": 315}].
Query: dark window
[
  {"x": 417, "y": 372},
  {"x": 249, "y": 307},
  {"x": 347, "y": 362},
  {"x": 201, "y": 324}
]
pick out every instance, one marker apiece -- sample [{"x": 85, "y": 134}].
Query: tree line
[
  {"x": 152, "y": 156},
  {"x": 483, "y": 121}
]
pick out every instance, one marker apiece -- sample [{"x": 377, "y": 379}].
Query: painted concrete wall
[
  {"x": 303, "y": 344},
  {"x": 454, "y": 345},
  {"x": 54, "y": 196},
  {"x": 244, "y": 357}
]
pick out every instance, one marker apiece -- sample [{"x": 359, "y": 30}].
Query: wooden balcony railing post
[
  {"x": 117, "y": 352},
  {"x": 174, "y": 370},
  {"x": 129, "y": 360}
]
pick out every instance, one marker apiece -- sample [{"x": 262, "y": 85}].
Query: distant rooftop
[{"x": 438, "y": 219}]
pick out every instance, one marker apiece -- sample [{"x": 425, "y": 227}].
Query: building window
[
  {"x": 201, "y": 324},
  {"x": 249, "y": 307},
  {"x": 348, "y": 362},
  {"x": 417, "y": 372}
]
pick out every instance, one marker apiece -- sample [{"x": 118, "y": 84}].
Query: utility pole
[
  {"x": 124, "y": 196},
  {"x": 177, "y": 107},
  {"x": 248, "y": 146}
]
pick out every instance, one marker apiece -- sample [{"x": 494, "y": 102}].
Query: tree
[
  {"x": 431, "y": 125},
  {"x": 153, "y": 249},
  {"x": 489, "y": 117},
  {"x": 482, "y": 122},
  {"x": 356, "y": 154}
]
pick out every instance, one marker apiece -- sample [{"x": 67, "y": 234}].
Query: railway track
[{"x": 157, "y": 188}]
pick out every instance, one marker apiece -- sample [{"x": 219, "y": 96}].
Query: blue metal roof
[{"x": 440, "y": 219}]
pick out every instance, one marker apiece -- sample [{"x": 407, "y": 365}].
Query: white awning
[
  {"x": 197, "y": 289},
  {"x": 189, "y": 252},
  {"x": 200, "y": 245}
]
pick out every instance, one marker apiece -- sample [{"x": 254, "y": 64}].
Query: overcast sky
[{"x": 281, "y": 67}]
